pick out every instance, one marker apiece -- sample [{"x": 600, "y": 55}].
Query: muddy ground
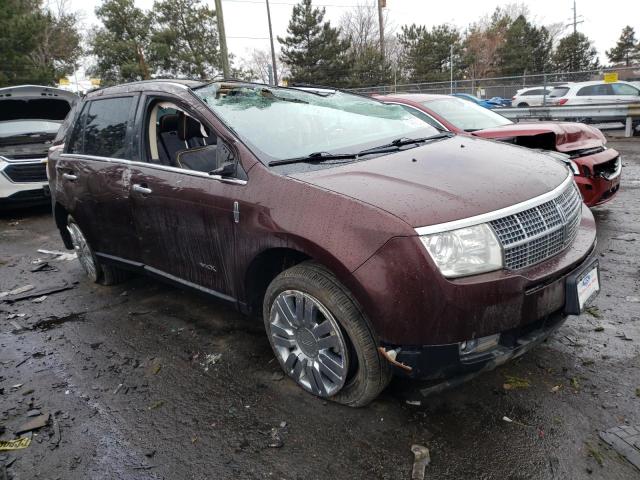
[{"x": 145, "y": 381}]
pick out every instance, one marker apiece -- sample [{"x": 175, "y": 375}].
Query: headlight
[{"x": 465, "y": 251}]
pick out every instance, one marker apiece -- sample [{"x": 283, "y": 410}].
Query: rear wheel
[
  {"x": 523, "y": 104},
  {"x": 321, "y": 337},
  {"x": 96, "y": 271}
]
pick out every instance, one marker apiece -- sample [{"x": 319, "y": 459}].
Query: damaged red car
[
  {"x": 369, "y": 243},
  {"x": 597, "y": 169}
]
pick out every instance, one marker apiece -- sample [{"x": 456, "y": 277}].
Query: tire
[
  {"x": 97, "y": 272},
  {"x": 523, "y": 104},
  {"x": 362, "y": 373}
]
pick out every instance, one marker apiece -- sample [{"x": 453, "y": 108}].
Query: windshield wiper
[
  {"x": 315, "y": 157},
  {"x": 401, "y": 142}
]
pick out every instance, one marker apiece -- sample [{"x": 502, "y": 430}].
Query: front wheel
[
  {"x": 97, "y": 272},
  {"x": 321, "y": 337}
]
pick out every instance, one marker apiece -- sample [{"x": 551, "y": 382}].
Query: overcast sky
[{"x": 247, "y": 28}]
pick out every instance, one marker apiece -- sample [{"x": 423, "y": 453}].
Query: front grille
[
  {"x": 606, "y": 169},
  {"x": 26, "y": 172},
  {"x": 533, "y": 235}
]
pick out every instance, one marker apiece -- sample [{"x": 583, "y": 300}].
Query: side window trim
[
  {"x": 142, "y": 124},
  {"x": 421, "y": 112}
]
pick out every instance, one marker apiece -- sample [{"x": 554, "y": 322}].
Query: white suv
[
  {"x": 594, "y": 93},
  {"x": 30, "y": 117},
  {"x": 530, "y": 97}
]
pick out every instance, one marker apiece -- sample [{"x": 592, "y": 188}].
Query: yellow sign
[
  {"x": 16, "y": 444},
  {"x": 611, "y": 77},
  {"x": 64, "y": 81},
  {"x": 95, "y": 82}
]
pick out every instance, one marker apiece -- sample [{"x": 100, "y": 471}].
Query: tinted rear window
[
  {"x": 600, "y": 89},
  {"x": 105, "y": 128},
  {"x": 559, "y": 92}
]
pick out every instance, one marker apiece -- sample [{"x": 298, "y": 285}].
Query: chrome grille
[{"x": 533, "y": 235}]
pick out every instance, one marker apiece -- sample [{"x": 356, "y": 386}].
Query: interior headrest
[
  {"x": 169, "y": 122},
  {"x": 188, "y": 127}
]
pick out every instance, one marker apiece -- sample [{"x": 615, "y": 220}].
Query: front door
[{"x": 184, "y": 214}]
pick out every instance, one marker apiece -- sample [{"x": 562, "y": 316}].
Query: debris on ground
[
  {"x": 155, "y": 405},
  {"x": 27, "y": 294},
  {"x": 625, "y": 440},
  {"x": 17, "y": 444},
  {"x": 39, "y": 299},
  {"x": 514, "y": 383},
  {"x": 595, "y": 453},
  {"x": 275, "y": 441},
  {"x": 575, "y": 384},
  {"x": 43, "y": 267},
  {"x": 17, "y": 291},
  {"x": 598, "y": 328},
  {"x": 632, "y": 299},
  {"x": 421, "y": 459},
  {"x": 556, "y": 388},
  {"x": 638, "y": 392},
  {"x": 415, "y": 403},
  {"x": 210, "y": 360},
  {"x": 34, "y": 424},
  {"x": 593, "y": 311},
  {"x": 627, "y": 237},
  {"x": 277, "y": 376},
  {"x": 58, "y": 255},
  {"x": 624, "y": 336}
]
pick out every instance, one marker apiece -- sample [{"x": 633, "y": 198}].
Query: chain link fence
[{"x": 505, "y": 87}]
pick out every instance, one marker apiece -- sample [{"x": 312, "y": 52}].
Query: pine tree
[
  {"x": 627, "y": 48},
  {"x": 313, "y": 50},
  {"x": 526, "y": 48},
  {"x": 185, "y": 39},
  {"x": 122, "y": 45},
  {"x": 574, "y": 53},
  {"x": 426, "y": 54}
]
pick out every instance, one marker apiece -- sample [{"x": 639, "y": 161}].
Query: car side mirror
[{"x": 226, "y": 170}]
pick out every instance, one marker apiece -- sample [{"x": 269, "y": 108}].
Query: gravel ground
[{"x": 145, "y": 381}]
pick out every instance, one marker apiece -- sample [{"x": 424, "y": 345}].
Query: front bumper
[
  {"x": 598, "y": 187},
  {"x": 23, "y": 183},
  {"x": 449, "y": 360}
]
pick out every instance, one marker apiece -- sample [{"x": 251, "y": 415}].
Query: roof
[{"x": 164, "y": 84}]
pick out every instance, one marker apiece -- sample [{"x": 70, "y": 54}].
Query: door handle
[
  {"x": 141, "y": 189},
  {"x": 70, "y": 176}
]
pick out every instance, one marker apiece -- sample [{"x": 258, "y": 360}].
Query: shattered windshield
[{"x": 281, "y": 123}]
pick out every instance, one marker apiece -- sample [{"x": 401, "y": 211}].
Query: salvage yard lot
[{"x": 145, "y": 381}]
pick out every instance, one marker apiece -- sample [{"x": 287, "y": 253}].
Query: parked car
[
  {"x": 530, "y": 96},
  {"x": 477, "y": 101},
  {"x": 30, "y": 117},
  {"x": 594, "y": 93},
  {"x": 500, "y": 102},
  {"x": 370, "y": 242},
  {"x": 597, "y": 169}
]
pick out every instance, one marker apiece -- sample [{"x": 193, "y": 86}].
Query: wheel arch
[{"x": 60, "y": 214}]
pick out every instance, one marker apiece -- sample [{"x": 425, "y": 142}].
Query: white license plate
[{"x": 588, "y": 286}]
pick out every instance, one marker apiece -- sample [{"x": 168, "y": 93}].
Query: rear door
[
  {"x": 94, "y": 174},
  {"x": 184, "y": 215}
]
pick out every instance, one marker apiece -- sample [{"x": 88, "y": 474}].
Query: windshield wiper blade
[
  {"x": 315, "y": 157},
  {"x": 401, "y": 142}
]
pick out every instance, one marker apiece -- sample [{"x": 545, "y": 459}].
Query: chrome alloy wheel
[
  {"x": 308, "y": 343},
  {"x": 85, "y": 255}
]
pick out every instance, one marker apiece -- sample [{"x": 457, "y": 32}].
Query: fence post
[
  {"x": 628, "y": 127},
  {"x": 544, "y": 98}
]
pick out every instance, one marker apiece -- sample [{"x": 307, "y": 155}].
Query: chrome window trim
[
  {"x": 420, "y": 111},
  {"x": 166, "y": 168},
  {"x": 496, "y": 214}
]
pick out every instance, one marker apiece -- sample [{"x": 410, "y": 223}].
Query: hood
[
  {"x": 568, "y": 136},
  {"x": 444, "y": 181}
]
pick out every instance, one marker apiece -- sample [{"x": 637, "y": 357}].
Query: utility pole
[
  {"x": 381, "y": 4},
  {"x": 224, "y": 54},
  {"x": 575, "y": 21},
  {"x": 273, "y": 51},
  {"x": 451, "y": 68}
]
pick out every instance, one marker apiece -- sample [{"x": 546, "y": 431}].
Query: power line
[{"x": 293, "y": 4}]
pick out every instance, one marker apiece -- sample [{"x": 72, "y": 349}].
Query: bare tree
[{"x": 257, "y": 64}]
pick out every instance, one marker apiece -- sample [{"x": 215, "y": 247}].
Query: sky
[{"x": 247, "y": 28}]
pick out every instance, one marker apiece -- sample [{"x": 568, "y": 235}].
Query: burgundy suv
[{"x": 370, "y": 243}]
